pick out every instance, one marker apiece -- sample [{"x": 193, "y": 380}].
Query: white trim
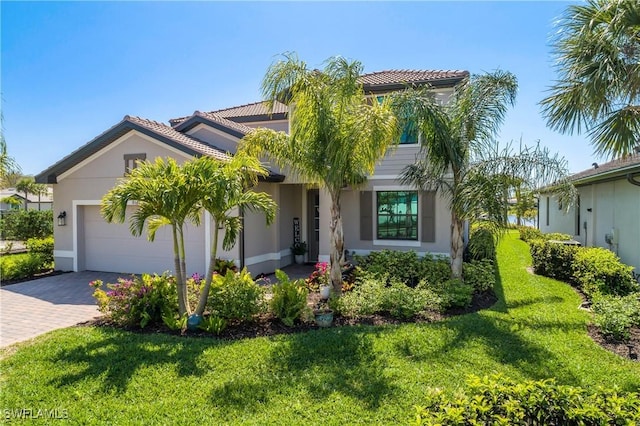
[
  {"x": 324, "y": 258},
  {"x": 74, "y": 235},
  {"x": 266, "y": 257},
  {"x": 114, "y": 144},
  {"x": 397, "y": 243},
  {"x": 63, "y": 253},
  {"x": 380, "y": 188},
  {"x": 364, "y": 252}
]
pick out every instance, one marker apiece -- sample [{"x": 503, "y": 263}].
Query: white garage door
[{"x": 110, "y": 247}]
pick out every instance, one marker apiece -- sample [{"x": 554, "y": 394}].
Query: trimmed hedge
[
  {"x": 598, "y": 270},
  {"x": 553, "y": 260},
  {"x": 501, "y": 401},
  {"x": 22, "y": 225}
]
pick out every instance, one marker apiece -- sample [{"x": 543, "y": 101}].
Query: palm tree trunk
[
  {"x": 337, "y": 242},
  {"x": 180, "y": 284},
  {"x": 204, "y": 294},
  {"x": 457, "y": 245}
]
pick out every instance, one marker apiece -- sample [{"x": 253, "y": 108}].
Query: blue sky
[{"x": 71, "y": 70}]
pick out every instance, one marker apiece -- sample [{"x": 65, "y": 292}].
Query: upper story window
[
  {"x": 410, "y": 133},
  {"x": 130, "y": 161},
  {"x": 397, "y": 215}
]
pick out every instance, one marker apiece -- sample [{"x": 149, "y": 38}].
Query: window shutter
[
  {"x": 366, "y": 215},
  {"x": 428, "y": 217}
]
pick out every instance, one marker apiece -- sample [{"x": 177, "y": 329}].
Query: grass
[{"x": 350, "y": 375}]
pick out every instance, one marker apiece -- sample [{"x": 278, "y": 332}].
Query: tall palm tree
[
  {"x": 460, "y": 159},
  {"x": 598, "y": 62},
  {"x": 336, "y": 134},
  {"x": 225, "y": 195},
  {"x": 8, "y": 164},
  {"x": 26, "y": 185},
  {"x": 165, "y": 195}
]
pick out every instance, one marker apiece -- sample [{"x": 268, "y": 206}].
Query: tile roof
[
  {"x": 392, "y": 77},
  {"x": 606, "y": 168},
  {"x": 255, "y": 109},
  {"x": 238, "y": 129},
  {"x": 180, "y": 138}
]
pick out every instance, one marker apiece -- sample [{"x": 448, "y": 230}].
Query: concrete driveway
[{"x": 31, "y": 308}]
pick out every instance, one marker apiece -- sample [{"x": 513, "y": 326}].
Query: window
[
  {"x": 130, "y": 161},
  {"x": 397, "y": 215},
  {"x": 410, "y": 132}
]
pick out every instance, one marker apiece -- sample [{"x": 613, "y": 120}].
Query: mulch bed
[
  {"x": 268, "y": 325},
  {"x": 629, "y": 350}
]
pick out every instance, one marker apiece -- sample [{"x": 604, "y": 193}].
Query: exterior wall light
[{"x": 62, "y": 218}]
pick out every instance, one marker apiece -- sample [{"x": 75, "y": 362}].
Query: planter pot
[
  {"x": 299, "y": 259},
  {"x": 324, "y": 318},
  {"x": 325, "y": 291},
  {"x": 193, "y": 322}
]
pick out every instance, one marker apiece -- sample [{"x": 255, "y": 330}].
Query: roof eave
[
  {"x": 390, "y": 87},
  {"x": 194, "y": 120}
]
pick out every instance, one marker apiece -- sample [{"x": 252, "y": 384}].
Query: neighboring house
[
  {"x": 607, "y": 213},
  {"x": 382, "y": 215},
  {"x": 34, "y": 202}
]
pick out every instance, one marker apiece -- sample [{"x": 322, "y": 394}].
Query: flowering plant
[{"x": 319, "y": 277}]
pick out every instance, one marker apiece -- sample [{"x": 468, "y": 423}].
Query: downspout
[{"x": 632, "y": 180}]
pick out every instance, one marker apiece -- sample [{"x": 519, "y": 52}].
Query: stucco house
[
  {"x": 382, "y": 215},
  {"x": 607, "y": 213}
]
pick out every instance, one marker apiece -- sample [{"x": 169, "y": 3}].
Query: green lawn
[{"x": 344, "y": 375}]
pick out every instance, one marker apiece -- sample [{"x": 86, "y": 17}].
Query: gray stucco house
[
  {"x": 607, "y": 213},
  {"x": 80, "y": 180}
]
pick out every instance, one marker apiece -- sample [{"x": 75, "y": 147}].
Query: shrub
[
  {"x": 42, "y": 247},
  {"x": 366, "y": 298},
  {"x": 405, "y": 302},
  {"x": 19, "y": 266},
  {"x": 528, "y": 233},
  {"x": 615, "y": 315},
  {"x": 481, "y": 245},
  {"x": 598, "y": 270},
  {"x": 480, "y": 274},
  {"x": 455, "y": 293},
  {"x": 235, "y": 296},
  {"x": 138, "y": 301},
  {"x": 405, "y": 266},
  {"x": 289, "y": 300},
  {"x": 554, "y": 260},
  {"x": 24, "y": 224},
  {"x": 497, "y": 400},
  {"x": 557, "y": 236},
  {"x": 213, "y": 324},
  {"x": 224, "y": 265}
]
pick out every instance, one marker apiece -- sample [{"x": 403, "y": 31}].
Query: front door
[{"x": 313, "y": 224}]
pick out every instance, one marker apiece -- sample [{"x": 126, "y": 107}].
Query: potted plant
[
  {"x": 298, "y": 250},
  {"x": 323, "y": 314}
]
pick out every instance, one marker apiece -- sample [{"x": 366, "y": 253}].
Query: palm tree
[
  {"x": 225, "y": 196},
  {"x": 165, "y": 195},
  {"x": 460, "y": 159},
  {"x": 8, "y": 164},
  {"x": 598, "y": 63},
  {"x": 336, "y": 134},
  {"x": 26, "y": 185}
]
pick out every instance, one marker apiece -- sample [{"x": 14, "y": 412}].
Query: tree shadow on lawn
[
  {"x": 115, "y": 358},
  {"x": 321, "y": 362},
  {"x": 501, "y": 337}
]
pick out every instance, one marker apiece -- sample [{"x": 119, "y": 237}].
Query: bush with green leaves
[
  {"x": 404, "y": 302},
  {"x": 24, "y": 224},
  {"x": 598, "y": 270},
  {"x": 138, "y": 301},
  {"x": 482, "y": 245},
  {"x": 557, "y": 236},
  {"x": 235, "y": 296},
  {"x": 455, "y": 293},
  {"x": 405, "y": 266},
  {"x": 289, "y": 301},
  {"x": 20, "y": 266},
  {"x": 497, "y": 400},
  {"x": 365, "y": 299},
  {"x": 42, "y": 247},
  {"x": 615, "y": 315},
  {"x": 554, "y": 260},
  {"x": 528, "y": 233},
  {"x": 481, "y": 274},
  {"x": 213, "y": 324}
]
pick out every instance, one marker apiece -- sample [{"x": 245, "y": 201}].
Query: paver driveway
[{"x": 31, "y": 308}]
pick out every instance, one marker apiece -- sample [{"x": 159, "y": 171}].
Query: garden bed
[
  {"x": 268, "y": 325},
  {"x": 629, "y": 349}
]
